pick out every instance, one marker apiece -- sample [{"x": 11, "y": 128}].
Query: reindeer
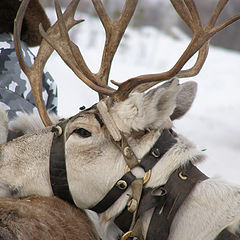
[
  {"x": 121, "y": 158},
  {"x": 39, "y": 217}
]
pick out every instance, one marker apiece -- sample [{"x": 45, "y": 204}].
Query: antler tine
[
  {"x": 114, "y": 31},
  {"x": 183, "y": 12},
  {"x": 193, "y": 71},
  {"x": 34, "y": 73},
  {"x": 193, "y": 23},
  {"x": 197, "y": 24},
  {"x": 201, "y": 36},
  {"x": 220, "y": 6},
  {"x": 69, "y": 52},
  {"x": 74, "y": 50}
]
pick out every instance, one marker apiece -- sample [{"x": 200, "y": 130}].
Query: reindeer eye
[{"x": 82, "y": 132}]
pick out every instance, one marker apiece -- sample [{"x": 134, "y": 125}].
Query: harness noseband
[{"x": 58, "y": 171}]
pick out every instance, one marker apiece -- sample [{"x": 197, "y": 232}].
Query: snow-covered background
[{"x": 213, "y": 121}]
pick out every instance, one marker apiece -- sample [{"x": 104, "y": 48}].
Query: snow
[{"x": 213, "y": 121}]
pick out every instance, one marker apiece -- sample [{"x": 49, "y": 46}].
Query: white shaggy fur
[
  {"x": 94, "y": 164},
  {"x": 138, "y": 111},
  {"x": 28, "y": 123}
]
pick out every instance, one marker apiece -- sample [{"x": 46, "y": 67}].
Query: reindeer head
[
  {"x": 90, "y": 150},
  {"x": 94, "y": 160}
]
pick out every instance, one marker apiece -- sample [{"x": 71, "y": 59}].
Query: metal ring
[
  {"x": 162, "y": 190},
  {"x": 156, "y": 153},
  {"x": 122, "y": 184},
  {"x": 182, "y": 176},
  {"x": 127, "y": 151},
  {"x": 127, "y": 168},
  {"x": 147, "y": 176},
  {"x": 126, "y": 235},
  {"x": 59, "y": 131},
  {"x": 132, "y": 205}
]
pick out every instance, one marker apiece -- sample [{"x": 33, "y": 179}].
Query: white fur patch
[
  {"x": 149, "y": 110},
  {"x": 28, "y": 123}
]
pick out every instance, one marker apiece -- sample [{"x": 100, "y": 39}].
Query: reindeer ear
[
  {"x": 185, "y": 99},
  {"x": 147, "y": 110}
]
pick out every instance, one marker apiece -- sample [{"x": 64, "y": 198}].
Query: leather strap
[
  {"x": 162, "y": 145},
  {"x": 58, "y": 172},
  {"x": 149, "y": 199},
  {"x": 226, "y": 235},
  {"x": 124, "y": 220},
  {"x": 12, "y": 135},
  {"x": 178, "y": 186},
  {"x": 114, "y": 193}
]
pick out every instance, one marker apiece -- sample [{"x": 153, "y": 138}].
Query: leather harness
[{"x": 165, "y": 200}]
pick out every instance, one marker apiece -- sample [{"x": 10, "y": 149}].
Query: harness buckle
[{"x": 126, "y": 235}]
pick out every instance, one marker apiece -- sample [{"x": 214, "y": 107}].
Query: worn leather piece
[
  {"x": 162, "y": 145},
  {"x": 148, "y": 201},
  {"x": 124, "y": 220},
  {"x": 178, "y": 189},
  {"x": 152, "y": 198},
  {"x": 226, "y": 235}
]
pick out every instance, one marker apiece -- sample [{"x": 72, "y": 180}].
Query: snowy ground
[{"x": 213, "y": 121}]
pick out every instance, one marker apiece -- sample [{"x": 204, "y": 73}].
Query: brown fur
[
  {"x": 33, "y": 17},
  {"x": 38, "y": 217}
]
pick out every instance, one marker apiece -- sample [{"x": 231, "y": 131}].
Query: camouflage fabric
[{"x": 15, "y": 89}]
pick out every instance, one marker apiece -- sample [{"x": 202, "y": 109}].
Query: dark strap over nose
[{"x": 58, "y": 171}]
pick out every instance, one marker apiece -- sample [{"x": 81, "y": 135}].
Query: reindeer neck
[
  {"x": 179, "y": 155},
  {"x": 24, "y": 164}
]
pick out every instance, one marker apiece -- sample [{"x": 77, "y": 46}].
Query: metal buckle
[
  {"x": 183, "y": 177},
  {"x": 126, "y": 235},
  {"x": 156, "y": 153}
]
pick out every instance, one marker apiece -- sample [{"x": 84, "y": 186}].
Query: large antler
[
  {"x": 57, "y": 37},
  {"x": 34, "y": 72},
  {"x": 200, "y": 42},
  {"x": 72, "y": 56}
]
